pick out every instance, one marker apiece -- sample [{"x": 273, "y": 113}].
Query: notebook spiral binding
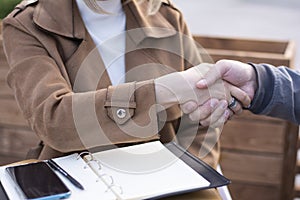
[{"x": 96, "y": 166}]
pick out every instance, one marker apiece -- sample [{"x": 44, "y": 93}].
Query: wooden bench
[{"x": 258, "y": 152}]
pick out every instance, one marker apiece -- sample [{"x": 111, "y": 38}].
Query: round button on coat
[{"x": 121, "y": 113}]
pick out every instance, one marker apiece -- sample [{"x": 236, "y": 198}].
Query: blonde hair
[{"x": 153, "y": 6}]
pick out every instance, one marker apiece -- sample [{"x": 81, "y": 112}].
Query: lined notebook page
[{"x": 148, "y": 170}]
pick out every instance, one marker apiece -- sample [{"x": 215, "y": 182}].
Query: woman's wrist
[{"x": 164, "y": 91}]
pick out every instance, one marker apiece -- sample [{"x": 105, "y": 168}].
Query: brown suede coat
[{"x": 65, "y": 93}]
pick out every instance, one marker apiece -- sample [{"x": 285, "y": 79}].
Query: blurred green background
[{"x": 6, "y": 6}]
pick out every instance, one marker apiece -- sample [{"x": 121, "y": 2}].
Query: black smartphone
[{"x": 38, "y": 181}]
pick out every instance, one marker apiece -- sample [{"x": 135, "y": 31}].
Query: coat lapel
[
  {"x": 62, "y": 17},
  {"x": 146, "y": 26},
  {"x": 142, "y": 62},
  {"x": 85, "y": 67}
]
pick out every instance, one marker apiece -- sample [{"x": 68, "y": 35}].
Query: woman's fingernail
[
  {"x": 224, "y": 104},
  {"x": 214, "y": 103},
  {"x": 201, "y": 83},
  {"x": 226, "y": 114},
  {"x": 190, "y": 107}
]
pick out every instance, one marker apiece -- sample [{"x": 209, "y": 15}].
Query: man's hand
[
  {"x": 207, "y": 104},
  {"x": 215, "y": 112},
  {"x": 234, "y": 72},
  {"x": 239, "y": 78}
]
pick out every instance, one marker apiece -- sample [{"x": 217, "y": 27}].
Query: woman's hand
[{"x": 180, "y": 87}]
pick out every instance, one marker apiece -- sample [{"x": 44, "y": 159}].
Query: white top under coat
[{"x": 108, "y": 33}]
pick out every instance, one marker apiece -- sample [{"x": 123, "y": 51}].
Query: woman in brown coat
[{"x": 62, "y": 73}]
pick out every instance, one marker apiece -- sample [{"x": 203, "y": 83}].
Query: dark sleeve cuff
[{"x": 265, "y": 87}]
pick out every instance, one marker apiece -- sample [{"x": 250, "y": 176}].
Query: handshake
[{"x": 209, "y": 93}]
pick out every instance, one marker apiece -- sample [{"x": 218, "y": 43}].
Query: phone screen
[{"x": 38, "y": 181}]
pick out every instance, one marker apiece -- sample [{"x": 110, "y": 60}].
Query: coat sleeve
[
  {"x": 278, "y": 92},
  {"x": 68, "y": 121}
]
